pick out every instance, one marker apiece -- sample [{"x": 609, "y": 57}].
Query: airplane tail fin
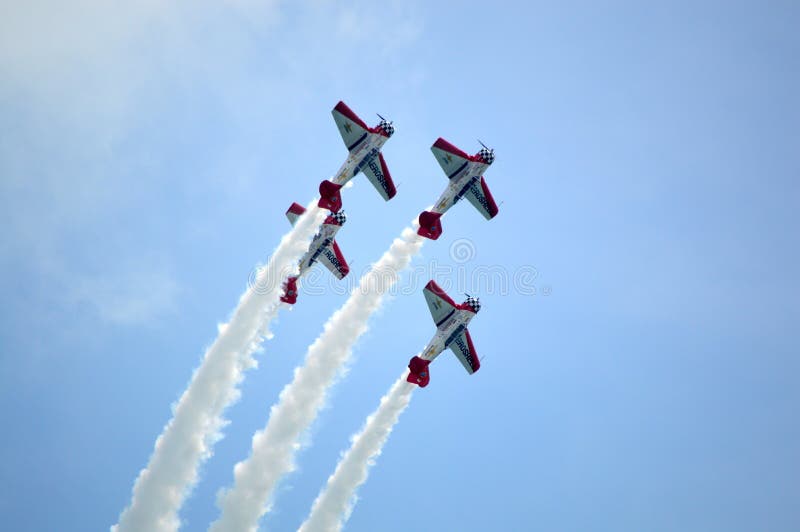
[
  {"x": 329, "y": 196},
  {"x": 290, "y": 291},
  {"x": 429, "y": 225},
  {"x": 419, "y": 373},
  {"x": 295, "y": 211}
]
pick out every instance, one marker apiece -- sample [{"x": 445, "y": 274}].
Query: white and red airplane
[
  {"x": 364, "y": 144},
  {"x": 323, "y": 248},
  {"x": 465, "y": 173},
  {"x": 451, "y": 331}
]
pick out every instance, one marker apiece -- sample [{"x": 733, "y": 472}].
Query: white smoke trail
[
  {"x": 274, "y": 447},
  {"x": 335, "y": 502},
  {"x": 187, "y": 439}
]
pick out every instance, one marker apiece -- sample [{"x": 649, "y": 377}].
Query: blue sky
[{"x": 647, "y": 161}]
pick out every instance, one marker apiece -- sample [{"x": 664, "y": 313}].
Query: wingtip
[{"x": 438, "y": 143}]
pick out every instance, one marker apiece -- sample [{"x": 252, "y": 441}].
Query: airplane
[
  {"x": 451, "y": 331},
  {"x": 465, "y": 173},
  {"x": 323, "y": 248},
  {"x": 364, "y": 144}
]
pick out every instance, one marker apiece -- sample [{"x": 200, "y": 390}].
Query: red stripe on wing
[
  {"x": 476, "y": 362},
  {"x": 446, "y": 146},
  {"x": 437, "y": 290},
  {"x": 493, "y": 209},
  {"x": 391, "y": 189},
  {"x": 346, "y": 111},
  {"x": 340, "y": 257}
]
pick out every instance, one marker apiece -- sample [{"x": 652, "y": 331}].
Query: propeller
[
  {"x": 388, "y": 122},
  {"x": 490, "y": 151},
  {"x": 471, "y": 298}
]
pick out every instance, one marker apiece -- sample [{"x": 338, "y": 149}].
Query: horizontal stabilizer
[
  {"x": 329, "y": 196},
  {"x": 294, "y": 212},
  {"x": 419, "y": 372},
  {"x": 290, "y": 291},
  {"x": 429, "y": 225}
]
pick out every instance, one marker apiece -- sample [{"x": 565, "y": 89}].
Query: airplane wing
[
  {"x": 439, "y": 303},
  {"x": 451, "y": 159},
  {"x": 333, "y": 259},
  {"x": 463, "y": 349},
  {"x": 353, "y": 130},
  {"x": 478, "y": 194},
  {"x": 378, "y": 174}
]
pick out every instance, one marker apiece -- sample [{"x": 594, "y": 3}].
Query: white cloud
[
  {"x": 86, "y": 86},
  {"x": 78, "y": 81}
]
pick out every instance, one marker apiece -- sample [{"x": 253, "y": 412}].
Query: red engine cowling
[
  {"x": 419, "y": 373},
  {"x": 429, "y": 225},
  {"x": 329, "y": 196}
]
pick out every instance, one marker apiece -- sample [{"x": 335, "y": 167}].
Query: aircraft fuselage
[
  {"x": 447, "y": 333},
  {"x": 460, "y": 182},
  {"x": 321, "y": 240},
  {"x": 365, "y": 154}
]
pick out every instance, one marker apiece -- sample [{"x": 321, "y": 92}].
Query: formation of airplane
[
  {"x": 364, "y": 145},
  {"x": 465, "y": 175},
  {"x": 451, "y": 321},
  {"x": 323, "y": 249}
]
